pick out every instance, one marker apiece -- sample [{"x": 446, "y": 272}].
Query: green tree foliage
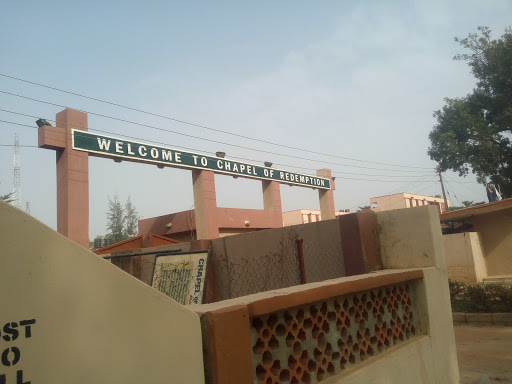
[
  {"x": 122, "y": 222},
  {"x": 465, "y": 204},
  {"x": 474, "y": 131},
  {"x": 115, "y": 220},
  {"x": 7, "y": 198},
  {"x": 131, "y": 219}
]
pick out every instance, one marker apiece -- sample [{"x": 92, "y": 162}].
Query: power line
[
  {"x": 202, "y": 138},
  {"x": 21, "y": 146},
  {"x": 409, "y": 185},
  {"x": 54, "y": 130},
  {"x": 454, "y": 194},
  {"x": 465, "y": 186},
  {"x": 200, "y": 126},
  {"x": 158, "y": 142}
]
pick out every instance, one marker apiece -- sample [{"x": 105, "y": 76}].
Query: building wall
[
  {"x": 495, "y": 231},
  {"x": 412, "y": 238},
  {"x": 404, "y": 200},
  {"x": 309, "y": 333},
  {"x": 386, "y": 203},
  {"x": 267, "y": 259},
  {"x": 465, "y": 261},
  {"x": 304, "y": 216},
  {"x": 93, "y": 322}
]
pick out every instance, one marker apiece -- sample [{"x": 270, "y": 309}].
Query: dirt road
[{"x": 482, "y": 351}]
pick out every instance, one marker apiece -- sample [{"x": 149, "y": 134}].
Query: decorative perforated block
[{"x": 309, "y": 343}]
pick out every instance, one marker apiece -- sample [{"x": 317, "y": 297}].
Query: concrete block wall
[
  {"x": 360, "y": 329},
  {"x": 391, "y": 326},
  {"x": 465, "y": 261},
  {"x": 264, "y": 260},
  {"x": 68, "y": 316}
]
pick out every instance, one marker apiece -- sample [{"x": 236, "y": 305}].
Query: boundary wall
[
  {"x": 68, "y": 316},
  {"x": 390, "y": 326},
  {"x": 260, "y": 261},
  {"x": 464, "y": 257}
]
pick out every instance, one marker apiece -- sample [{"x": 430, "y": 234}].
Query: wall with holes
[
  {"x": 307, "y": 344},
  {"x": 392, "y": 326}
]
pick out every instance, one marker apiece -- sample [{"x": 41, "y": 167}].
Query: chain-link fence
[
  {"x": 242, "y": 265},
  {"x": 290, "y": 260}
]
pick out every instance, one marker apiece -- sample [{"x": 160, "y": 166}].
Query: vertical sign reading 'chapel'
[{"x": 181, "y": 277}]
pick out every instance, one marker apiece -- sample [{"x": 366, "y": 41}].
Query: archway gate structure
[{"x": 73, "y": 144}]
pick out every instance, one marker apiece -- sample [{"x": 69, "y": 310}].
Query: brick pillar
[
  {"x": 72, "y": 175},
  {"x": 272, "y": 200},
  {"x": 326, "y": 196},
  {"x": 205, "y": 204}
]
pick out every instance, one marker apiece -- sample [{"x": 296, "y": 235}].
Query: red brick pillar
[
  {"x": 272, "y": 201},
  {"x": 72, "y": 175},
  {"x": 326, "y": 196},
  {"x": 205, "y": 204}
]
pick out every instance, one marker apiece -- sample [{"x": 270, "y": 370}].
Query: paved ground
[{"x": 485, "y": 350}]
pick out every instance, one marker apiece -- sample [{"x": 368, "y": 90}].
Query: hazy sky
[{"x": 345, "y": 78}]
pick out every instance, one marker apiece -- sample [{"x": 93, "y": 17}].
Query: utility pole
[{"x": 442, "y": 187}]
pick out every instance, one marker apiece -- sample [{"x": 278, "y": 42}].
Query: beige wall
[
  {"x": 402, "y": 200},
  {"x": 303, "y": 216},
  {"x": 93, "y": 322},
  {"x": 464, "y": 259},
  {"x": 385, "y": 203},
  {"x": 412, "y": 362},
  {"x": 412, "y": 238},
  {"x": 495, "y": 231},
  {"x": 430, "y": 359}
]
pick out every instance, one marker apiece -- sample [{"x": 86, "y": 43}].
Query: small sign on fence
[{"x": 181, "y": 277}]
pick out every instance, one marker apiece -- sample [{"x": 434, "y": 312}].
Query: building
[
  {"x": 304, "y": 216},
  {"x": 478, "y": 245},
  {"x": 405, "y": 200}
]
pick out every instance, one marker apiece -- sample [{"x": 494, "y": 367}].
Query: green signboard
[{"x": 113, "y": 147}]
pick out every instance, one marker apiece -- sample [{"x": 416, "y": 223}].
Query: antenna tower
[{"x": 16, "y": 190}]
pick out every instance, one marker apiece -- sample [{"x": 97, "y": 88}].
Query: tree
[
  {"x": 465, "y": 204},
  {"x": 131, "y": 218},
  {"x": 7, "y": 198},
  {"x": 115, "y": 220},
  {"x": 474, "y": 131},
  {"x": 122, "y": 222}
]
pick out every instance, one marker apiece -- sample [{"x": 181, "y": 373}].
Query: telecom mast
[{"x": 16, "y": 190}]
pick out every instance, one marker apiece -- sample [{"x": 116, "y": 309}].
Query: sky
[{"x": 347, "y": 79}]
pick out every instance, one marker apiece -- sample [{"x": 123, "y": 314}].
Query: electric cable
[
  {"x": 414, "y": 183},
  {"x": 199, "y": 125},
  {"x": 341, "y": 177},
  {"x": 204, "y": 139},
  {"x": 162, "y": 143}
]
